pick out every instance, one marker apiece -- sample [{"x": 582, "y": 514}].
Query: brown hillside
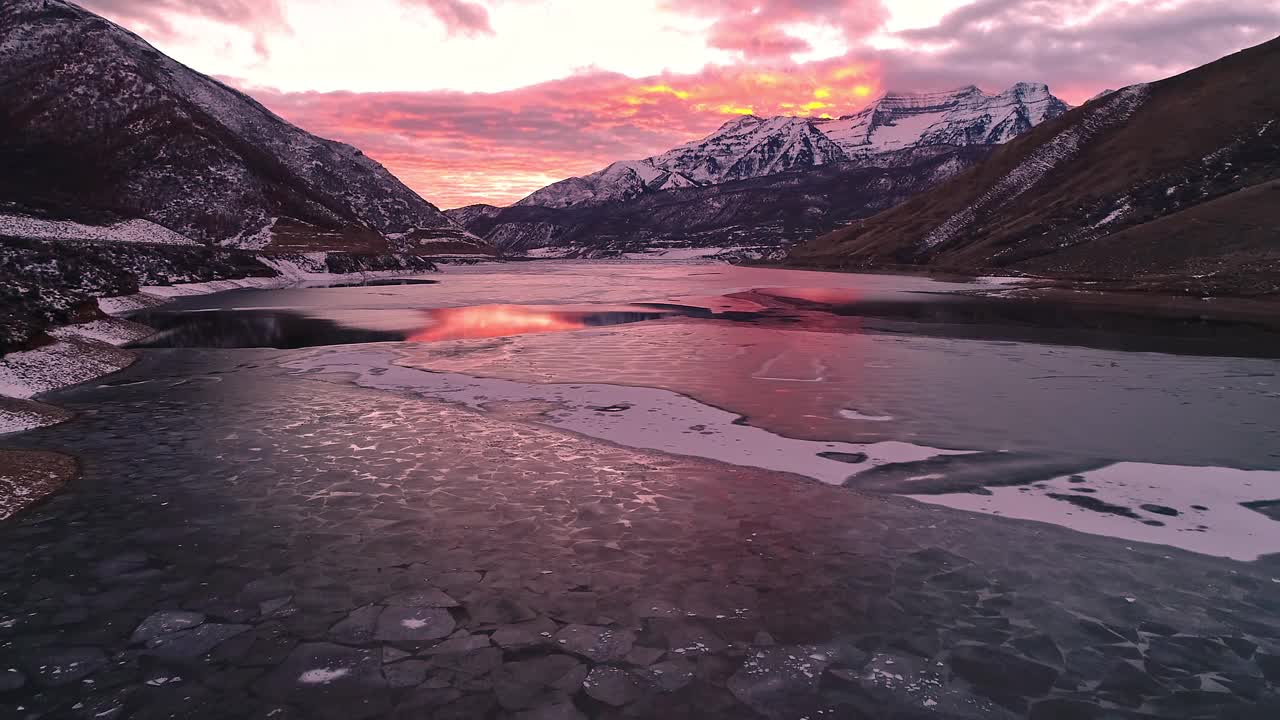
[{"x": 1172, "y": 179}]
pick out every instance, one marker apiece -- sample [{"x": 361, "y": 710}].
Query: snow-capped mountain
[
  {"x": 752, "y": 147},
  {"x": 97, "y": 126},
  {"x": 966, "y": 116}
]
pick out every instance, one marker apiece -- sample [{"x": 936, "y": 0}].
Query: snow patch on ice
[
  {"x": 1198, "y": 508},
  {"x": 851, "y": 414},
  {"x": 323, "y": 676}
]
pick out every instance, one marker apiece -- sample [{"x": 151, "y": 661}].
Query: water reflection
[
  {"x": 286, "y": 329},
  {"x": 485, "y": 321},
  {"x": 1030, "y": 319}
]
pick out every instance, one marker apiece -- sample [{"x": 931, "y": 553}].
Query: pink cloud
[
  {"x": 459, "y": 16},
  {"x": 161, "y": 19},
  {"x": 758, "y": 28},
  {"x": 457, "y": 148}
]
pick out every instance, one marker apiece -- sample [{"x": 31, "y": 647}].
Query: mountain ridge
[
  {"x": 753, "y": 146},
  {"x": 898, "y": 145},
  {"x": 104, "y": 127}
]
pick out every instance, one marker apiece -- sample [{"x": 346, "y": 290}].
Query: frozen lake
[
  {"x": 556, "y": 489},
  {"x": 770, "y": 368}
]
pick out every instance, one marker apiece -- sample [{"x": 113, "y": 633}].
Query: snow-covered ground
[
  {"x": 668, "y": 254},
  {"x": 1194, "y": 508},
  {"x": 136, "y": 231},
  {"x": 112, "y": 331},
  {"x": 18, "y": 415},
  {"x": 292, "y": 274},
  {"x": 1003, "y": 280},
  {"x": 547, "y": 252},
  {"x": 65, "y": 362},
  {"x": 639, "y": 417}
]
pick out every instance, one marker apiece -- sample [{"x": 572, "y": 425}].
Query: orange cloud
[{"x": 458, "y": 148}]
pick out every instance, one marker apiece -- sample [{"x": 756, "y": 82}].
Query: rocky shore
[{"x": 45, "y": 283}]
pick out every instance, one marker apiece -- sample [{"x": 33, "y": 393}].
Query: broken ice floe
[
  {"x": 654, "y": 419},
  {"x": 851, "y": 414},
  {"x": 322, "y": 676}
]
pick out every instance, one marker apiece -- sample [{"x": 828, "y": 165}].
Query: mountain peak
[{"x": 1028, "y": 89}]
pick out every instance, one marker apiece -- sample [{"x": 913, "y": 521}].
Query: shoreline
[
  {"x": 92, "y": 349},
  {"x": 1153, "y": 290},
  {"x": 81, "y": 352}
]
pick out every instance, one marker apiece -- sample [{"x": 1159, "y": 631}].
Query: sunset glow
[
  {"x": 492, "y": 321},
  {"x": 487, "y": 100}
]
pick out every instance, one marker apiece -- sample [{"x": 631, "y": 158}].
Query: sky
[{"x": 487, "y": 100}]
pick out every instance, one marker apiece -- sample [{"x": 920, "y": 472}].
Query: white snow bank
[
  {"x": 112, "y": 331},
  {"x": 17, "y": 419},
  {"x": 1210, "y": 518},
  {"x": 18, "y": 415},
  {"x": 291, "y": 275},
  {"x": 1003, "y": 280},
  {"x": 637, "y": 417},
  {"x": 136, "y": 231},
  {"x": 62, "y": 363}
]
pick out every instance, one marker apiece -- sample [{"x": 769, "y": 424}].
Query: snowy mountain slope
[
  {"x": 101, "y": 127},
  {"x": 966, "y": 116},
  {"x": 1170, "y": 185},
  {"x": 767, "y": 181},
  {"x": 751, "y": 147}
]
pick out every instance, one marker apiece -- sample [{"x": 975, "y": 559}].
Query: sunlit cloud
[
  {"x": 459, "y": 148},
  {"x": 769, "y": 29},
  {"x": 487, "y": 100},
  {"x": 171, "y": 19},
  {"x": 460, "y": 17}
]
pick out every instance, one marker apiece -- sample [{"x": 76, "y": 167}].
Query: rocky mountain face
[
  {"x": 966, "y": 116},
  {"x": 1173, "y": 185},
  {"x": 791, "y": 168},
  {"x": 98, "y": 127}
]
